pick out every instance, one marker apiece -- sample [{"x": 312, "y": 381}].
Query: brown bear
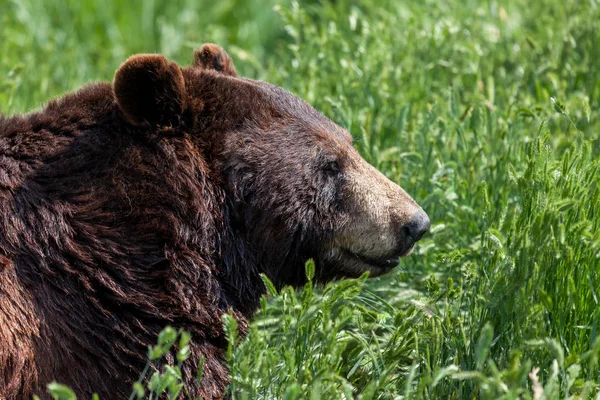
[{"x": 158, "y": 200}]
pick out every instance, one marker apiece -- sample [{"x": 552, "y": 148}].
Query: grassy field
[{"x": 486, "y": 112}]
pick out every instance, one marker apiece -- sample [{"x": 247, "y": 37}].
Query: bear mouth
[{"x": 381, "y": 264}]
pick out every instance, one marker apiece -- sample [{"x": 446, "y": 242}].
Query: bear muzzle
[{"x": 383, "y": 224}]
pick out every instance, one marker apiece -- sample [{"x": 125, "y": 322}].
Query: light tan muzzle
[{"x": 383, "y": 224}]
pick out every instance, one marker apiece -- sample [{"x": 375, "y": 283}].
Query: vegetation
[{"x": 485, "y": 111}]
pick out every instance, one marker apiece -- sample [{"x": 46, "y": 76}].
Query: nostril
[
  {"x": 414, "y": 230},
  {"x": 405, "y": 232}
]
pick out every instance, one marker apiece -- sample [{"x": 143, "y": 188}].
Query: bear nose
[{"x": 414, "y": 230}]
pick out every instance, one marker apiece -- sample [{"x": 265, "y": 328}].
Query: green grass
[{"x": 486, "y": 112}]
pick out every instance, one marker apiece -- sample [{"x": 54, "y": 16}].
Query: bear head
[{"x": 293, "y": 186}]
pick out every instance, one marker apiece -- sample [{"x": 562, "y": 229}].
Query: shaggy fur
[{"x": 154, "y": 201}]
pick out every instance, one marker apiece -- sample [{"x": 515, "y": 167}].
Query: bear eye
[{"x": 332, "y": 167}]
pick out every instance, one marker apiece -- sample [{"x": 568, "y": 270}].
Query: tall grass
[{"x": 485, "y": 111}]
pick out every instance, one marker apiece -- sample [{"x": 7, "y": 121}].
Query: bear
[{"x": 159, "y": 199}]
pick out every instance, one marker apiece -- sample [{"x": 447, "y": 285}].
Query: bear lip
[{"x": 385, "y": 263}]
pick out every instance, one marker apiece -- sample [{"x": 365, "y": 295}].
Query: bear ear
[
  {"x": 150, "y": 90},
  {"x": 213, "y": 57}
]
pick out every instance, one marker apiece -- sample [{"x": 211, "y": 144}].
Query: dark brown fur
[{"x": 154, "y": 201}]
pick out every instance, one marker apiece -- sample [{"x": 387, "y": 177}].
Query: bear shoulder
[{"x": 27, "y": 141}]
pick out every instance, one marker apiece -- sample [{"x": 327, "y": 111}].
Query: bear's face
[{"x": 294, "y": 186}]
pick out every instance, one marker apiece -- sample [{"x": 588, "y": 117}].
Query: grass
[{"x": 485, "y": 111}]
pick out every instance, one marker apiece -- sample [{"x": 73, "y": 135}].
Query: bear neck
[{"x": 239, "y": 276}]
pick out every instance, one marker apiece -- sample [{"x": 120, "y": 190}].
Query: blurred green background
[
  {"x": 53, "y": 46},
  {"x": 486, "y": 112}
]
